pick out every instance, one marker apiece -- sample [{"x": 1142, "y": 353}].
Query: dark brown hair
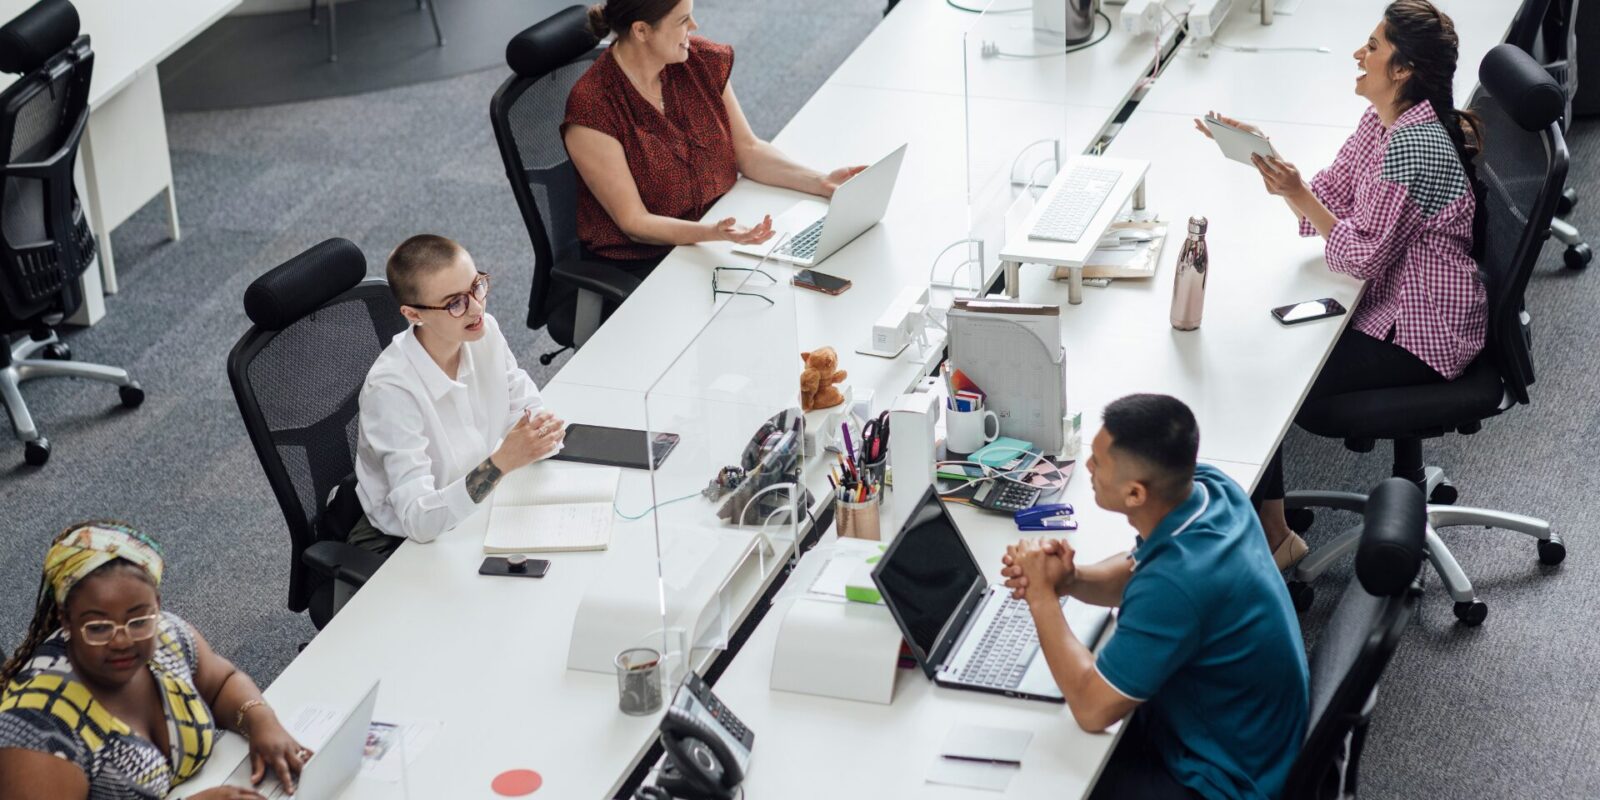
[
  {"x": 619, "y": 15},
  {"x": 416, "y": 257},
  {"x": 47, "y": 613},
  {"x": 1425, "y": 42}
]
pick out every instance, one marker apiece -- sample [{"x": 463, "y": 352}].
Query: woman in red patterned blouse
[
  {"x": 1396, "y": 208},
  {"x": 657, "y": 137}
]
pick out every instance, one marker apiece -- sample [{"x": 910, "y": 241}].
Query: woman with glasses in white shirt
[{"x": 445, "y": 412}]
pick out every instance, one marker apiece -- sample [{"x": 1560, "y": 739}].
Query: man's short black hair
[
  {"x": 416, "y": 258},
  {"x": 1160, "y": 431}
]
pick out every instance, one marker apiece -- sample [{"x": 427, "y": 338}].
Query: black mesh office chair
[
  {"x": 1358, "y": 641},
  {"x": 1547, "y": 30},
  {"x": 569, "y": 295},
  {"x": 1523, "y": 169},
  {"x": 45, "y": 242},
  {"x": 333, "y": 23},
  {"x": 297, "y": 376}
]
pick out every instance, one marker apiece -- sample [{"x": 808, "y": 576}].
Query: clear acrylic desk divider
[{"x": 727, "y": 498}]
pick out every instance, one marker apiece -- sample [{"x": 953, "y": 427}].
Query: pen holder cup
[
  {"x": 969, "y": 431},
  {"x": 875, "y": 471},
  {"x": 857, "y": 520},
  {"x": 639, "y": 681}
]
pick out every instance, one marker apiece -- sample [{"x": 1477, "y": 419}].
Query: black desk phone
[{"x": 708, "y": 748}]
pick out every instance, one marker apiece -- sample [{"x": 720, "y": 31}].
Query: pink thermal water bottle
[{"x": 1189, "y": 285}]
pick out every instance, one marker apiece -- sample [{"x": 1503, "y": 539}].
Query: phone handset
[{"x": 701, "y": 761}]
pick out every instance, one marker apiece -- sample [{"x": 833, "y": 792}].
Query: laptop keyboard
[
  {"x": 804, "y": 243},
  {"x": 1002, "y": 655},
  {"x": 1083, "y": 191}
]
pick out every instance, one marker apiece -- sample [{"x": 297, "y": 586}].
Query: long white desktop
[{"x": 486, "y": 657}]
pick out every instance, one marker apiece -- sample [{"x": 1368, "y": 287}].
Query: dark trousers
[
  {"x": 640, "y": 269},
  {"x": 1136, "y": 769},
  {"x": 1358, "y": 363}
]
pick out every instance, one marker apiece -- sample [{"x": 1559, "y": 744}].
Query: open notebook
[{"x": 552, "y": 510}]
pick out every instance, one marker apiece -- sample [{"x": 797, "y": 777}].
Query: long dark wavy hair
[
  {"x": 47, "y": 613},
  {"x": 1425, "y": 42}
]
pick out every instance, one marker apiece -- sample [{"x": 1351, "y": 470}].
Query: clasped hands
[
  {"x": 1039, "y": 570},
  {"x": 1280, "y": 177}
]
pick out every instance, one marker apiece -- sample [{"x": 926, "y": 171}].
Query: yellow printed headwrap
[{"x": 88, "y": 547}]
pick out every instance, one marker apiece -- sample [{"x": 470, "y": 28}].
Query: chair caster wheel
[
  {"x": 1472, "y": 613},
  {"x": 132, "y": 395},
  {"x": 1552, "y": 551},
  {"x": 547, "y": 358},
  {"x": 1302, "y": 595},
  {"x": 1444, "y": 494},
  {"x": 1566, "y": 202},
  {"x": 1577, "y": 256},
  {"x": 36, "y": 452},
  {"x": 1299, "y": 519},
  {"x": 58, "y": 351}
]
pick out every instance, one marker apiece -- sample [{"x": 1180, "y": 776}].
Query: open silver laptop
[
  {"x": 964, "y": 632},
  {"x": 331, "y": 767},
  {"x": 817, "y": 229}
]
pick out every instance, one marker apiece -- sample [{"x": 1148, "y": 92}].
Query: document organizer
[{"x": 1014, "y": 352}]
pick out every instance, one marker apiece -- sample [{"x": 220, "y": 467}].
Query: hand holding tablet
[{"x": 1238, "y": 141}]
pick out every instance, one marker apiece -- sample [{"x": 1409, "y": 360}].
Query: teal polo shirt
[{"x": 1207, "y": 640}]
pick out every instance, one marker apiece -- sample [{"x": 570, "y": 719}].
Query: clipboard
[{"x": 1013, "y": 350}]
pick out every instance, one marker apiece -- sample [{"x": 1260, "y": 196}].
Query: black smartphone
[
  {"x": 501, "y": 565},
  {"x": 1296, "y": 313},
  {"x": 818, "y": 282}
]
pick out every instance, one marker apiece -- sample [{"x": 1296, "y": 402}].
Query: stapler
[{"x": 1055, "y": 517}]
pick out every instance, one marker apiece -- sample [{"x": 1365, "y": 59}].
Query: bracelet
[{"x": 238, "y": 719}]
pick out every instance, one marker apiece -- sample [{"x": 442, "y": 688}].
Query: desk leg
[
  {"x": 1013, "y": 273},
  {"x": 93, "y": 308},
  {"x": 172, "y": 214},
  {"x": 1138, "y": 195},
  {"x": 1075, "y": 285}
]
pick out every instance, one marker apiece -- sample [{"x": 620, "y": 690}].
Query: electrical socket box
[{"x": 1206, "y": 16}]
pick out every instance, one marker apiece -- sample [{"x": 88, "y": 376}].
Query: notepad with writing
[{"x": 552, "y": 510}]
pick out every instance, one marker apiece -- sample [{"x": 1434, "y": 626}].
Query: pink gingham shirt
[{"x": 1404, "y": 209}]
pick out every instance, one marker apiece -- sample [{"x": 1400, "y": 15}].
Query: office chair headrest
[
  {"x": 1392, "y": 535},
  {"x": 552, "y": 42},
  {"x": 304, "y": 283},
  {"x": 1530, "y": 96},
  {"x": 37, "y": 34}
]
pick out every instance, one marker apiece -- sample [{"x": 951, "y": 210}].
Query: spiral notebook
[{"x": 553, "y": 510}]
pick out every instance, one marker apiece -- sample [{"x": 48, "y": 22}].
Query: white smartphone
[{"x": 1238, "y": 143}]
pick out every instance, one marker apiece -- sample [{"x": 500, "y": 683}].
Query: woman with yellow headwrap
[{"x": 111, "y": 697}]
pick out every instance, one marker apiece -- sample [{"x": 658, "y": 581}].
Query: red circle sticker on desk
[{"x": 517, "y": 782}]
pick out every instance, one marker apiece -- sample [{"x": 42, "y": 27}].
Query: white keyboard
[{"x": 1082, "y": 192}]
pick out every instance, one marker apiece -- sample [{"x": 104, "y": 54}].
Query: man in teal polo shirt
[{"x": 1206, "y": 647}]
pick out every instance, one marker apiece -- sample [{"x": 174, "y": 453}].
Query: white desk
[
  {"x": 126, "y": 161},
  {"x": 1316, "y": 88},
  {"x": 810, "y": 746}
]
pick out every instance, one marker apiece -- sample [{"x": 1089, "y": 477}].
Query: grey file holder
[{"x": 1024, "y": 377}]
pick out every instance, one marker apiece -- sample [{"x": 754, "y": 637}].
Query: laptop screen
[{"x": 927, "y": 575}]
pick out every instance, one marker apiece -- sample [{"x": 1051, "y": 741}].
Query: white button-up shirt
[{"x": 421, "y": 432}]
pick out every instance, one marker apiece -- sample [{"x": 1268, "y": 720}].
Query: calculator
[{"x": 1006, "y": 496}]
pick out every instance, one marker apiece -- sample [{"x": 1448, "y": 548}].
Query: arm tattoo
[{"x": 481, "y": 480}]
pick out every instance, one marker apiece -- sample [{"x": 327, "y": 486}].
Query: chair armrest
[
  {"x": 606, "y": 280},
  {"x": 342, "y": 561}
]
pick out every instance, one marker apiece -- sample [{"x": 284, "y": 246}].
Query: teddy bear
[{"x": 817, "y": 381}]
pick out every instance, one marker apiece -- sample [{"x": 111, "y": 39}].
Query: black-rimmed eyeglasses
[
  {"x": 456, "y": 305},
  {"x": 715, "y": 271}
]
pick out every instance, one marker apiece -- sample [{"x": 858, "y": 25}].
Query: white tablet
[{"x": 1238, "y": 144}]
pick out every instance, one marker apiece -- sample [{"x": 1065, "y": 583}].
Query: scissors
[
  {"x": 875, "y": 436},
  {"x": 1056, "y": 517}
]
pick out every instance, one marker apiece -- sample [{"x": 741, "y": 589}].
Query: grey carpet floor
[{"x": 1507, "y": 710}]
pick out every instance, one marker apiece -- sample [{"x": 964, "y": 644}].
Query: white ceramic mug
[{"x": 966, "y": 431}]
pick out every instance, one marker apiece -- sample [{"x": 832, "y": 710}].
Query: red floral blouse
[{"x": 682, "y": 161}]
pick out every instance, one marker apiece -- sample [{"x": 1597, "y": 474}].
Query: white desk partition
[
  {"x": 125, "y": 161},
  {"x": 811, "y": 746},
  {"x": 1272, "y": 86}
]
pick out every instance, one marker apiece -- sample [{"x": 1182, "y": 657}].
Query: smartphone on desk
[
  {"x": 818, "y": 282},
  {"x": 514, "y": 566},
  {"x": 1296, "y": 313}
]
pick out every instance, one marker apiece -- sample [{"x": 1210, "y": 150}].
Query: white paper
[
  {"x": 532, "y": 529},
  {"x": 971, "y": 774},
  {"x": 312, "y": 726},
  {"x": 980, "y": 741},
  {"x": 381, "y": 759},
  {"x": 548, "y": 485}
]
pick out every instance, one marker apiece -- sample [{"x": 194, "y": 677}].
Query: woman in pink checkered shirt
[{"x": 1396, "y": 208}]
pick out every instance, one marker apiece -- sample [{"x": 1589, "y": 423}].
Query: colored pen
[
  {"x": 848, "y": 446},
  {"x": 1001, "y": 761}
]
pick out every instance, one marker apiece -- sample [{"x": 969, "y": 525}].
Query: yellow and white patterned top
[{"x": 47, "y": 709}]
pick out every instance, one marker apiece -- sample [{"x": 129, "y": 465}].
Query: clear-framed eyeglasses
[
  {"x": 716, "y": 271},
  {"x": 100, "y": 632}
]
